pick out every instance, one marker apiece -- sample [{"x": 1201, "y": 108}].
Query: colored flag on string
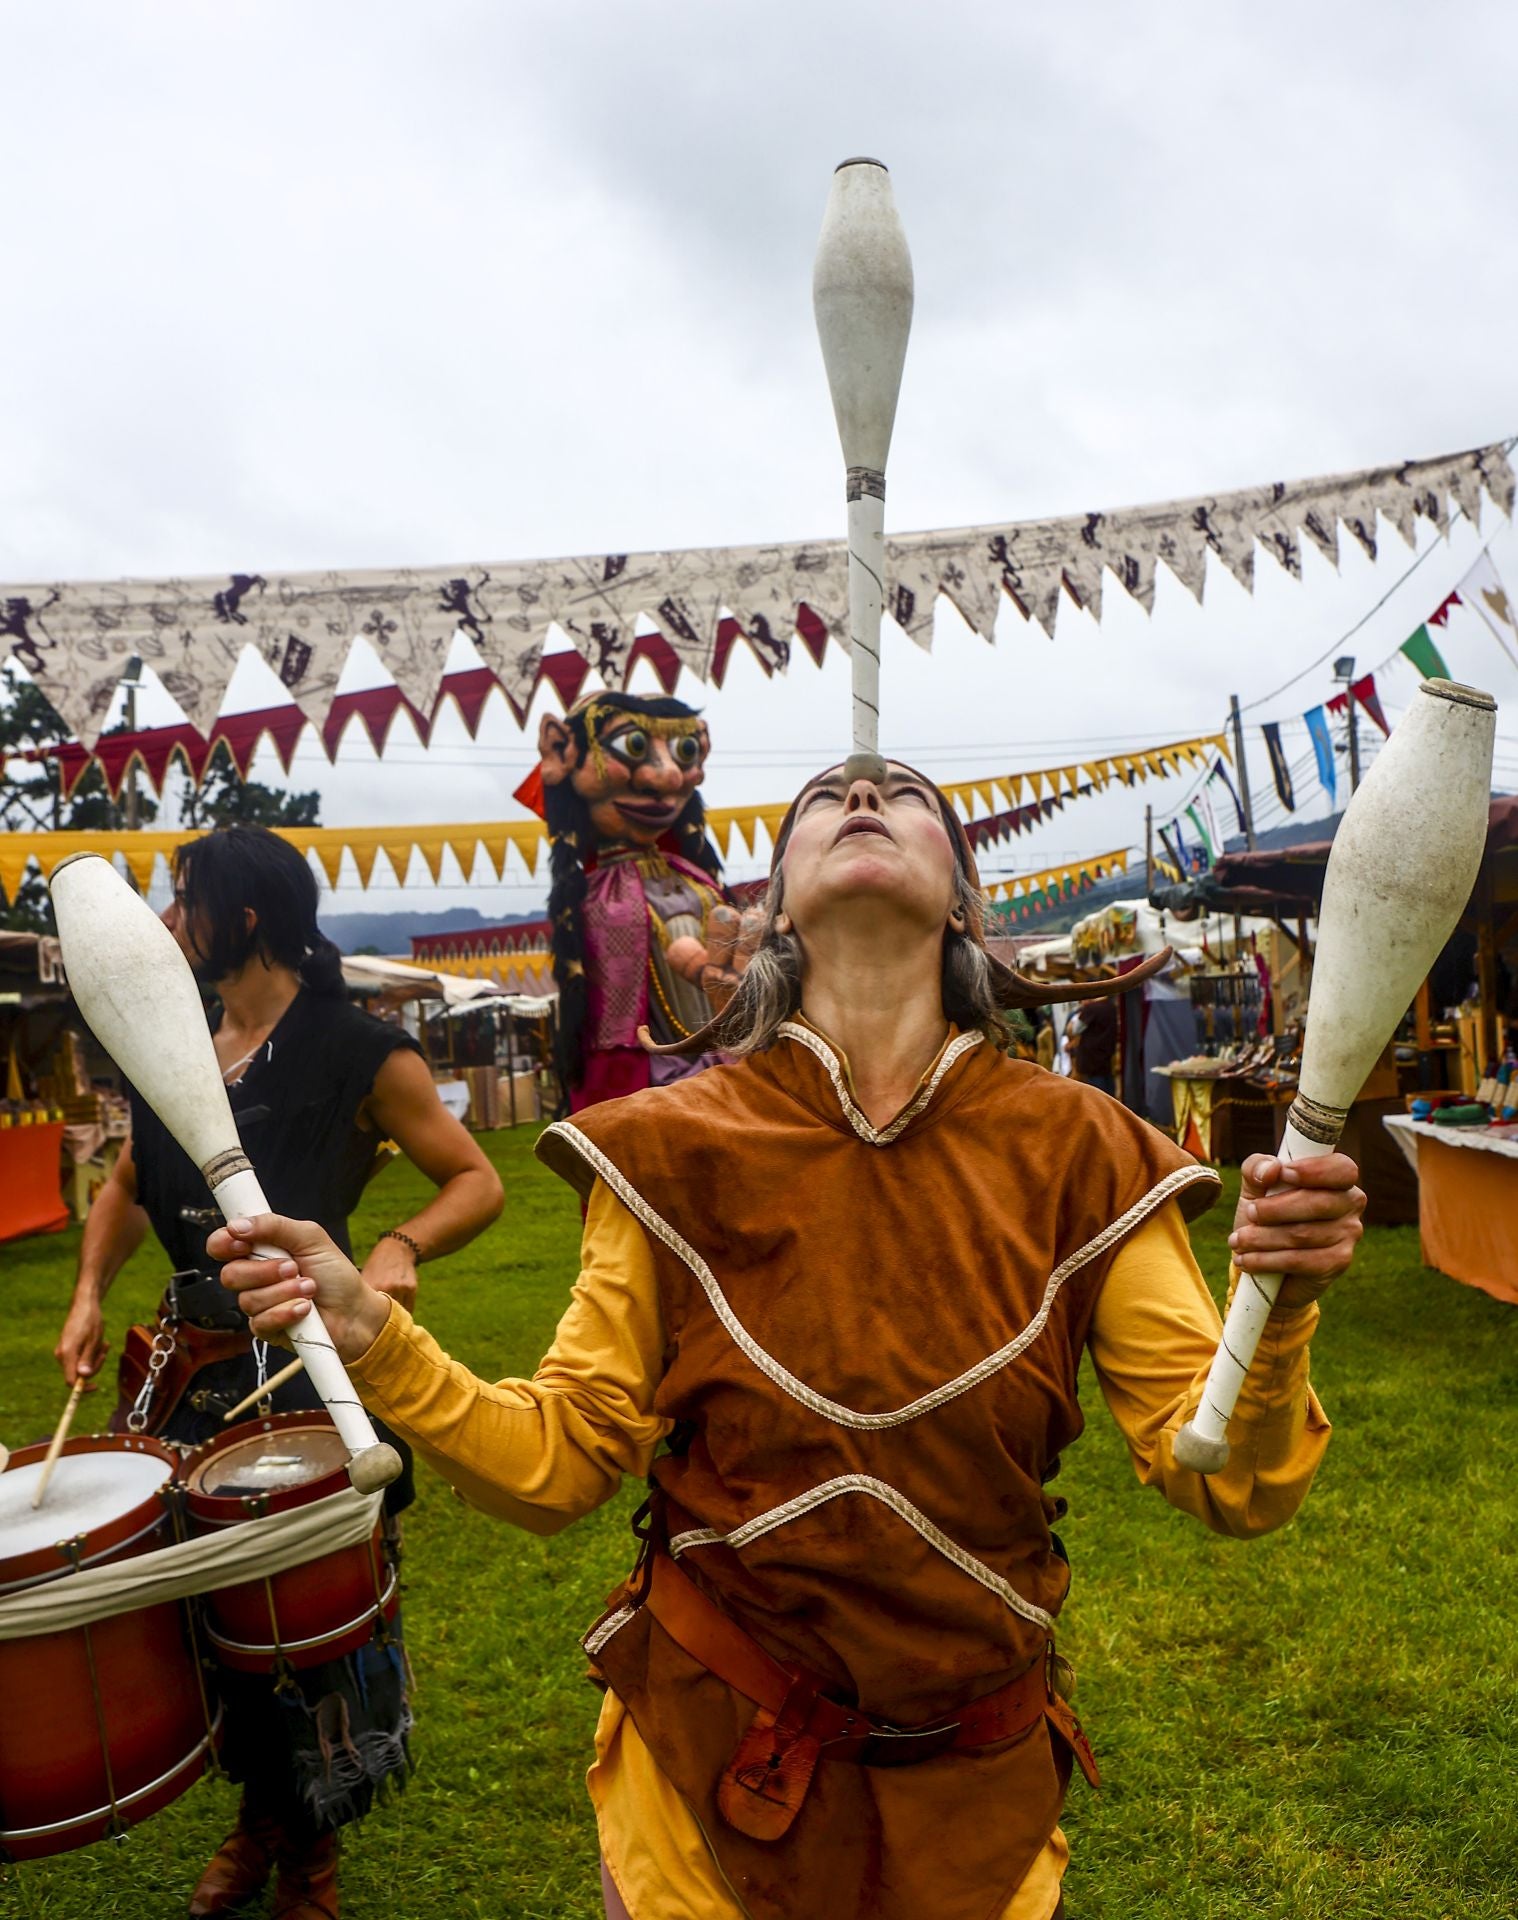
[
  {"x": 1194, "y": 816},
  {"x": 1364, "y": 691},
  {"x": 1323, "y": 747},
  {"x": 1425, "y": 656},
  {"x": 1440, "y": 615},
  {"x": 1280, "y": 771},
  {"x": 1483, "y": 591},
  {"x": 1220, "y": 772}
]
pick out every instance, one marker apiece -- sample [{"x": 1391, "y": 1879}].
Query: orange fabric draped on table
[
  {"x": 1469, "y": 1201},
  {"x": 31, "y": 1193}
]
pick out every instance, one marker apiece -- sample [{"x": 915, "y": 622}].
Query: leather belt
[{"x": 764, "y": 1783}]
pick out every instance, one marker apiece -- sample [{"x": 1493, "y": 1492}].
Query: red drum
[
  {"x": 102, "y": 1725},
  {"x": 310, "y": 1613}
]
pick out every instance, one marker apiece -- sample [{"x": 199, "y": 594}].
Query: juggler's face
[{"x": 853, "y": 842}]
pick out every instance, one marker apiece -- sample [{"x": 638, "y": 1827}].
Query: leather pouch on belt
[
  {"x": 763, "y": 1785},
  {"x": 1073, "y": 1734}
]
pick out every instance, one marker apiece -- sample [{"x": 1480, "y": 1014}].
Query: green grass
[{"x": 1321, "y": 1723}]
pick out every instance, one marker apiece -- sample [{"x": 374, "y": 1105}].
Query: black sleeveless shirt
[{"x": 296, "y": 1110}]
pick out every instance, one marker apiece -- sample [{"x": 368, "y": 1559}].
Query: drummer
[{"x": 316, "y": 1086}]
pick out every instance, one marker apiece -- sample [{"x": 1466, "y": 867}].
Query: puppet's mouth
[{"x": 651, "y": 813}]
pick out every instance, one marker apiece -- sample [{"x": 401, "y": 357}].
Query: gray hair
[{"x": 769, "y": 992}]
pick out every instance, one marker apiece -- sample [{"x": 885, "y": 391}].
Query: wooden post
[
  {"x": 1486, "y": 974},
  {"x": 1424, "y": 1023},
  {"x": 1354, "y": 739},
  {"x": 1148, "y": 851}
]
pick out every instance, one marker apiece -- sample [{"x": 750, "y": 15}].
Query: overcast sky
[{"x": 291, "y": 287}]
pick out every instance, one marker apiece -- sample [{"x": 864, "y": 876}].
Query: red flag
[
  {"x": 1441, "y": 617},
  {"x": 1365, "y": 696}
]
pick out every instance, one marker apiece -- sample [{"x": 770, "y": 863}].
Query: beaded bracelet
[{"x": 394, "y": 1233}]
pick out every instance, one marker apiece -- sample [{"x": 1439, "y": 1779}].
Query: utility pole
[
  {"x": 1238, "y": 748},
  {"x": 1344, "y": 672},
  {"x": 1148, "y": 851},
  {"x": 130, "y": 681}
]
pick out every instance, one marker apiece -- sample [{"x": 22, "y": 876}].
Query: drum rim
[
  {"x": 108, "y": 1539},
  {"x": 383, "y": 1608},
  {"x": 229, "y": 1509},
  {"x": 196, "y": 1757}
]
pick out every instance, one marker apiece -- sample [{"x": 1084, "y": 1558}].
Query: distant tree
[
  {"x": 225, "y": 799},
  {"x": 32, "y": 796}
]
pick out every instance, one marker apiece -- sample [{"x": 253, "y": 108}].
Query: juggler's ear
[{"x": 556, "y": 750}]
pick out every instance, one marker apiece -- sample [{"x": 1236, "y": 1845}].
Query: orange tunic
[{"x": 542, "y": 1451}]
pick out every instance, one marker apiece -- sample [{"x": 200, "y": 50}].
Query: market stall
[
  {"x": 1173, "y": 1021},
  {"x": 491, "y": 1052},
  {"x": 1468, "y": 1178},
  {"x": 1463, "y": 1023}
]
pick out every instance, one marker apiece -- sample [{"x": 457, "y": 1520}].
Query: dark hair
[
  {"x": 571, "y": 838},
  {"x": 219, "y": 877}
]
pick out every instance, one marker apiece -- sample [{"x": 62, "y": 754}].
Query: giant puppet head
[
  {"x": 631, "y": 767},
  {"x": 618, "y": 778}
]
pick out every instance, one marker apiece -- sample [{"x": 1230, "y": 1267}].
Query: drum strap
[{"x": 252, "y": 1550}]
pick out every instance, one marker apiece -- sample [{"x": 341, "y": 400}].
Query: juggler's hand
[
  {"x": 277, "y": 1295},
  {"x": 1300, "y": 1218}
]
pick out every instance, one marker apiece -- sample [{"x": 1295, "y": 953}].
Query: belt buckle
[{"x": 887, "y": 1746}]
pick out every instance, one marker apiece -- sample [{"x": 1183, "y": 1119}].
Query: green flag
[{"x": 1425, "y": 656}]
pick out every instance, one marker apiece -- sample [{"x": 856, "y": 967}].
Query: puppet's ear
[{"x": 556, "y": 750}]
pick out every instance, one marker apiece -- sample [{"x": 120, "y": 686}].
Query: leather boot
[
  {"x": 307, "y": 1884},
  {"x": 240, "y": 1867}
]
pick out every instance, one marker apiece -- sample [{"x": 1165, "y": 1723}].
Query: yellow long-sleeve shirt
[{"x": 544, "y": 1451}]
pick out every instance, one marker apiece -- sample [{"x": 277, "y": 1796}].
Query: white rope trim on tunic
[
  {"x": 787, "y": 1381},
  {"x": 876, "y": 1136},
  {"x": 881, "y": 1490},
  {"x": 613, "y": 1623}
]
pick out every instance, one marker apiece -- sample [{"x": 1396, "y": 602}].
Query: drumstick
[
  {"x": 60, "y": 1434},
  {"x": 268, "y": 1387},
  {"x": 1403, "y": 864},
  {"x": 862, "y": 298},
  {"x": 140, "y": 1000}
]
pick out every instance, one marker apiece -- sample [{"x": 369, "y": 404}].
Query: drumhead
[
  {"x": 271, "y": 1462},
  {"x": 86, "y": 1490}
]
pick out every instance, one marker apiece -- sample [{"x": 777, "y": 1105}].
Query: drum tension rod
[{"x": 73, "y": 1552}]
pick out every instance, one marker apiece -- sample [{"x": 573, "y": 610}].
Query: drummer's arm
[{"x": 113, "y": 1230}]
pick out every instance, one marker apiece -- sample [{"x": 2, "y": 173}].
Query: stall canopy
[
  {"x": 1293, "y": 876},
  {"x": 392, "y": 976}
]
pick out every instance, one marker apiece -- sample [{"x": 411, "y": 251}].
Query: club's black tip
[{"x": 861, "y": 160}]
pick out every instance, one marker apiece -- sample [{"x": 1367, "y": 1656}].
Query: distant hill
[{"x": 391, "y": 932}]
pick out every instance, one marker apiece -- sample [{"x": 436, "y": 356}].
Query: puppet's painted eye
[
  {"x": 687, "y": 750},
  {"x": 633, "y": 744}
]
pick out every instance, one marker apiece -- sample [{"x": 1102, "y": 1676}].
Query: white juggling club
[
  {"x": 862, "y": 297},
  {"x": 1403, "y": 865},
  {"x": 139, "y": 999}
]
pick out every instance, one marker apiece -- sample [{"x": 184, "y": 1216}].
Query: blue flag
[
  {"x": 1323, "y": 747},
  {"x": 1220, "y": 772}
]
